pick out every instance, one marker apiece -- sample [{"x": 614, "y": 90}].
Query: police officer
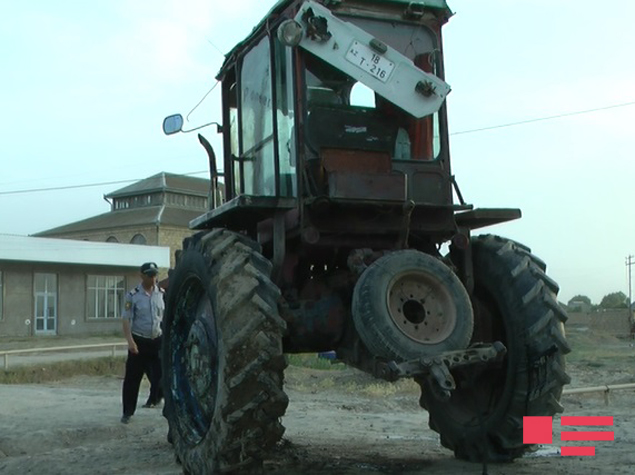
[{"x": 142, "y": 318}]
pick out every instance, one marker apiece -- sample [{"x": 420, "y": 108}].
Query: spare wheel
[{"x": 408, "y": 304}]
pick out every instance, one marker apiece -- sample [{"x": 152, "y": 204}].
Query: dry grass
[
  {"x": 384, "y": 389},
  {"x": 36, "y": 374},
  {"x": 598, "y": 349},
  {"x": 309, "y": 374},
  {"x": 311, "y": 360}
]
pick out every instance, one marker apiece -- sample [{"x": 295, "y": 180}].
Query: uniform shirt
[{"x": 145, "y": 311}]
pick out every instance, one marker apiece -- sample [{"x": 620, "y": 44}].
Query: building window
[
  {"x": 122, "y": 203},
  {"x": 45, "y": 303},
  {"x": 112, "y": 239},
  {"x": 138, "y": 239},
  {"x": 186, "y": 201},
  {"x": 105, "y": 296}
]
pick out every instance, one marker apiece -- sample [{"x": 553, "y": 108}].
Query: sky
[{"x": 85, "y": 87}]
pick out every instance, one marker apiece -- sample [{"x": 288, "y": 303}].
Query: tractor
[{"x": 335, "y": 224}]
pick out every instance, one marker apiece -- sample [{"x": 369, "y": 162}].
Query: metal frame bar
[{"x": 606, "y": 389}]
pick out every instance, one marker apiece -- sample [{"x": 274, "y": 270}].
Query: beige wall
[
  {"x": 173, "y": 237},
  {"x": 17, "y": 302},
  {"x": 19, "y": 307},
  {"x": 612, "y": 321}
]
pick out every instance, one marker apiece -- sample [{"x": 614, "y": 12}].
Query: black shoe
[
  {"x": 150, "y": 404},
  {"x": 125, "y": 419}
]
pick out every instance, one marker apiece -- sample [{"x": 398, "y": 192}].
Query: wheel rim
[
  {"x": 421, "y": 307},
  {"x": 194, "y": 345}
]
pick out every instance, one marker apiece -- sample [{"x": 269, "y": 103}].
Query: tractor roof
[{"x": 282, "y": 4}]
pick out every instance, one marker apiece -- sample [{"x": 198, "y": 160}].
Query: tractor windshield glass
[
  {"x": 370, "y": 121},
  {"x": 413, "y": 41}
]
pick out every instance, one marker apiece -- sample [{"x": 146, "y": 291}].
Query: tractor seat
[{"x": 351, "y": 128}]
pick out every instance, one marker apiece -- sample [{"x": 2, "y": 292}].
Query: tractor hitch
[{"x": 436, "y": 368}]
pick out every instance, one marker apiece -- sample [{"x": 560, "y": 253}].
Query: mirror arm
[{"x": 219, "y": 128}]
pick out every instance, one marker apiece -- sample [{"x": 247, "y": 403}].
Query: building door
[{"x": 45, "y": 304}]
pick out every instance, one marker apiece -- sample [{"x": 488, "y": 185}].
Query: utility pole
[{"x": 629, "y": 264}]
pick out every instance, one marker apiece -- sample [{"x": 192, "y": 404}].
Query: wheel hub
[
  {"x": 200, "y": 351},
  {"x": 421, "y": 308}
]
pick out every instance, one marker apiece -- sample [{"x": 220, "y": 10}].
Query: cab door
[{"x": 259, "y": 110}]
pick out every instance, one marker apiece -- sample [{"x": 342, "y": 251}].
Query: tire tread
[
  {"x": 535, "y": 317},
  {"x": 250, "y": 395}
]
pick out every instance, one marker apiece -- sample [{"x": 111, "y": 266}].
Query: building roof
[
  {"x": 165, "y": 182},
  {"x": 154, "y": 215},
  {"x": 65, "y": 251}
]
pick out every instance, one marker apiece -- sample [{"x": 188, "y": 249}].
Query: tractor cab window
[
  {"x": 234, "y": 135},
  {"x": 343, "y": 113},
  {"x": 255, "y": 115},
  {"x": 285, "y": 116},
  {"x": 333, "y": 119},
  {"x": 257, "y": 154}
]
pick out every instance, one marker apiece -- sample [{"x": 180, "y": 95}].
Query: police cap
[{"x": 150, "y": 269}]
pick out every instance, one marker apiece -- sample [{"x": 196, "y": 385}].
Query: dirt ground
[{"x": 338, "y": 422}]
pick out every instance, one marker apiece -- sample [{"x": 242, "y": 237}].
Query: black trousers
[{"x": 147, "y": 361}]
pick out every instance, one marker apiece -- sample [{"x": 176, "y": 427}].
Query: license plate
[{"x": 366, "y": 59}]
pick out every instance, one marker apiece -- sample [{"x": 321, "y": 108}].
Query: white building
[{"x": 67, "y": 287}]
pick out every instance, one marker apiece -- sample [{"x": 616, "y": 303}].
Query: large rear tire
[
  {"x": 514, "y": 302},
  {"x": 222, "y": 355}
]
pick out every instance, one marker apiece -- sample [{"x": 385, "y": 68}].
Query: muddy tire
[
  {"x": 514, "y": 302},
  {"x": 222, "y": 355},
  {"x": 408, "y": 304}
]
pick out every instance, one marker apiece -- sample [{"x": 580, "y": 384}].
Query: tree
[{"x": 614, "y": 300}]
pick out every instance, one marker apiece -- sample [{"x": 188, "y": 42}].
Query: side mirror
[{"x": 172, "y": 124}]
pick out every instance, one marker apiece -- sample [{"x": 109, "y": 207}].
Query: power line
[
  {"x": 87, "y": 185},
  {"x": 462, "y": 132},
  {"x": 551, "y": 117},
  {"x": 70, "y": 187}
]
